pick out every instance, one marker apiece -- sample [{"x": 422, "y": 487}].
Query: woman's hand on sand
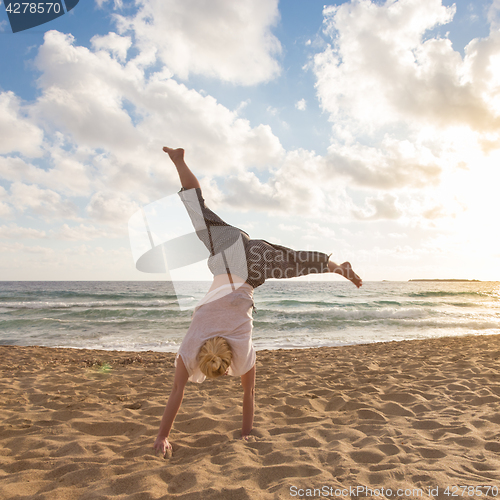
[{"x": 162, "y": 445}]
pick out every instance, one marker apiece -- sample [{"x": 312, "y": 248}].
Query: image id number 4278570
[{"x": 33, "y": 8}]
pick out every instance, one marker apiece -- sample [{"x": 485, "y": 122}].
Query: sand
[{"x": 419, "y": 416}]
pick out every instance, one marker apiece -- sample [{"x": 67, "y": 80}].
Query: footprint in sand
[
  {"x": 367, "y": 456},
  {"x": 109, "y": 428}
]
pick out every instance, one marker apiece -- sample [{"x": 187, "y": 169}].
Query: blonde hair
[{"x": 215, "y": 357}]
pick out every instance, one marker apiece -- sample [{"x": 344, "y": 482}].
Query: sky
[{"x": 365, "y": 129}]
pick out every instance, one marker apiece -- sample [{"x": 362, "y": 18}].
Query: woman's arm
[
  {"x": 248, "y": 383},
  {"x": 173, "y": 404}
]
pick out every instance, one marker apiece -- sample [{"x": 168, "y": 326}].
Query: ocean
[{"x": 144, "y": 315}]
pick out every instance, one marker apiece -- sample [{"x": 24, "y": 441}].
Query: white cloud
[
  {"x": 245, "y": 191},
  {"x": 435, "y": 212},
  {"x": 384, "y": 207},
  {"x": 5, "y": 210},
  {"x": 111, "y": 208},
  {"x": 405, "y": 106},
  {"x": 301, "y": 105},
  {"x": 15, "y": 232},
  {"x": 44, "y": 251},
  {"x": 301, "y": 183},
  {"x": 494, "y": 14},
  {"x": 9, "y": 248},
  {"x": 102, "y": 104},
  {"x": 378, "y": 62},
  {"x": 83, "y": 93},
  {"x": 393, "y": 164},
  {"x": 231, "y": 41},
  {"x": 216, "y": 140},
  {"x": 16, "y": 169},
  {"x": 288, "y": 227},
  {"x": 84, "y": 232},
  {"x": 242, "y": 106},
  {"x": 118, "y": 4},
  {"x": 41, "y": 202},
  {"x": 68, "y": 175},
  {"x": 81, "y": 232},
  {"x": 113, "y": 43},
  {"x": 317, "y": 231},
  {"x": 71, "y": 172},
  {"x": 272, "y": 111},
  {"x": 381, "y": 70},
  {"x": 17, "y": 130},
  {"x": 18, "y": 249}
]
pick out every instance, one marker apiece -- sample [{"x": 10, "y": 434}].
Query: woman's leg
[
  {"x": 217, "y": 236},
  {"x": 267, "y": 260},
  {"x": 187, "y": 178},
  {"x": 189, "y": 181},
  {"x": 346, "y": 271}
]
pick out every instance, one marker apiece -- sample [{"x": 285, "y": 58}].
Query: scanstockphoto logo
[
  {"x": 26, "y": 15},
  {"x": 163, "y": 241}
]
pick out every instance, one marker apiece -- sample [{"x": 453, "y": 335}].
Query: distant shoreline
[{"x": 470, "y": 281}]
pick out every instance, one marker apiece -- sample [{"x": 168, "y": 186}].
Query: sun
[{"x": 468, "y": 198}]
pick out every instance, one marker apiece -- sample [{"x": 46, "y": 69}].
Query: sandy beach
[{"x": 392, "y": 420}]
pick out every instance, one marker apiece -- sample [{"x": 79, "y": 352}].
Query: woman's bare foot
[
  {"x": 176, "y": 155},
  {"x": 187, "y": 178},
  {"x": 346, "y": 271}
]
